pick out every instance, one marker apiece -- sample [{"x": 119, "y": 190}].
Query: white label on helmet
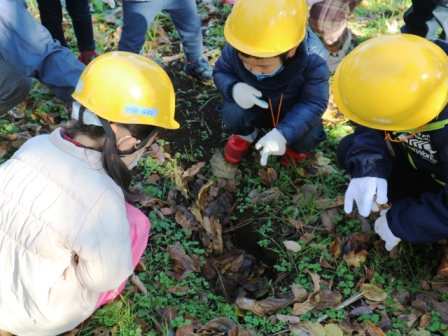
[
  {"x": 140, "y": 110},
  {"x": 79, "y": 86}
]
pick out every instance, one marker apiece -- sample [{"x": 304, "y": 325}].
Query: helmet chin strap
[{"x": 109, "y": 132}]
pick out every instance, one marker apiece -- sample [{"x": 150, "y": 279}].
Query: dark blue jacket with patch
[
  {"x": 303, "y": 81},
  {"x": 414, "y": 221}
]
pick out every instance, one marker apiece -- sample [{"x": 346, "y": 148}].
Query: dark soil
[{"x": 200, "y": 123}]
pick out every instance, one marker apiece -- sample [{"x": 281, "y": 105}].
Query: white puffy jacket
[{"x": 57, "y": 202}]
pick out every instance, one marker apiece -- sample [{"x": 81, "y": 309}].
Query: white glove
[
  {"x": 273, "y": 143},
  {"x": 382, "y": 228},
  {"x": 111, "y": 3},
  {"x": 362, "y": 190},
  {"x": 246, "y": 96}
]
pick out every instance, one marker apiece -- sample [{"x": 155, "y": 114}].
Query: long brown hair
[{"x": 111, "y": 161}]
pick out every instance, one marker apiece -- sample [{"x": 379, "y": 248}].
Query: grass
[{"x": 307, "y": 205}]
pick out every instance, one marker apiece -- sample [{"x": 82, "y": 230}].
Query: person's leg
[
  {"x": 242, "y": 121},
  {"x": 310, "y": 140},
  {"x": 139, "y": 226},
  {"x": 187, "y": 22},
  {"x": 419, "y": 19},
  {"x": 79, "y": 12},
  {"x": 51, "y": 18},
  {"x": 14, "y": 86},
  {"x": 441, "y": 16},
  {"x": 298, "y": 151},
  {"x": 243, "y": 125},
  {"x": 137, "y": 18}
]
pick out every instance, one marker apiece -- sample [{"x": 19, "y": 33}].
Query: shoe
[
  {"x": 235, "y": 149},
  {"x": 200, "y": 70},
  {"x": 87, "y": 56},
  {"x": 228, "y": 2},
  {"x": 292, "y": 158},
  {"x": 336, "y": 57},
  {"x": 443, "y": 268}
]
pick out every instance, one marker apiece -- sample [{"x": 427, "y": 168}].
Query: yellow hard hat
[
  {"x": 392, "y": 82},
  {"x": 127, "y": 88},
  {"x": 266, "y": 28}
]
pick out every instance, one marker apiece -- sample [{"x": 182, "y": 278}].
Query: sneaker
[
  {"x": 443, "y": 268},
  {"x": 235, "y": 149},
  {"x": 336, "y": 57},
  {"x": 87, "y": 56},
  {"x": 292, "y": 158},
  {"x": 227, "y": 2},
  {"x": 200, "y": 70}
]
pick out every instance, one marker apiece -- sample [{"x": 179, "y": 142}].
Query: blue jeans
[
  {"x": 14, "y": 86},
  {"x": 425, "y": 17},
  {"x": 244, "y": 121},
  {"x": 79, "y": 11},
  {"x": 138, "y": 16}
]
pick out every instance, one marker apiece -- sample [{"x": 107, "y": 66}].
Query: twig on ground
[{"x": 343, "y": 305}]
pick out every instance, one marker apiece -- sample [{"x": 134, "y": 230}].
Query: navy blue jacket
[
  {"x": 414, "y": 221},
  {"x": 303, "y": 81},
  {"x": 28, "y": 45}
]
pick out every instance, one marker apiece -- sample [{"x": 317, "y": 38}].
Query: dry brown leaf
[
  {"x": 168, "y": 211},
  {"x": 185, "y": 330},
  {"x": 374, "y": 293},
  {"x": 300, "y": 293},
  {"x": 193, "y": 170},
  {"x": 328, "y": 219},
  {"x": 237, "y": 263},
  {"x": 182, "y": 220},
  {"x": 424, "y": 320},
  {"x": 316, "y": 329},
  {"x": 3, "y": 150},
  {"x": 373, "y": 330},
  {"x": 153, "y": 178},
  {"x": 332, "y": 329},
  {"x": 182, "y": 263},
  {"x": 178, "y": 290},
  {"x": 219, "y": 326},
  {"x": 140, "y": 267},
  {"x": 203, "y": 196},
  {"x": 137, "y": 282},
  {"x": 272, "y": 195},
  {"x": 221, "y": 168},
  {"x": 322, "y": 204},
  {"x": 217, "y": 243},
  {"x": 263, "y": 307},
  {"x": 288, "y": 318},
  {"x": 301, "y": 308},
  {"x": 336, "y": 248},
  {"x": 238, "y": 331},
  {"x": 326, "y": 264},
  {"x": 268, "y": 177},
  {"x": 316, "y": 281},
  {"x": 325, "y": 299},
  {"x": 357, "y": 259}
]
